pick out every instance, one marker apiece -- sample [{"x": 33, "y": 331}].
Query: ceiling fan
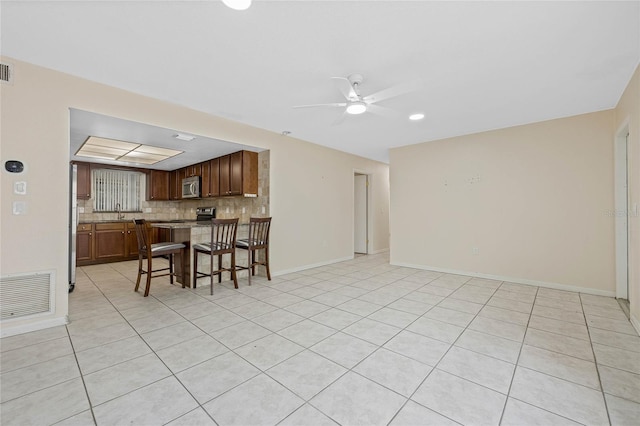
[{"x": 356, "y": 104}]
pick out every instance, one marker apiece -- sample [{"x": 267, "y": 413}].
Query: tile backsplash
[{"x": 226, "y": 207}]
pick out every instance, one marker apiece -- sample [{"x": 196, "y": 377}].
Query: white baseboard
[
  {"x": 525, "y": 281},
  {"x": 314, "y": 265},
  {"x": 379, "y": 251},
  {"x": 635, "y": 323},
  {"x": 34, "y": 326}
]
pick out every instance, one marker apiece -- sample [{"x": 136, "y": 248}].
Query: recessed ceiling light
[
  {"x": 416, "y": 117},
  {"x": 237, "y": 4},
  {"x": 356, "y": 108},
  {"x": 184, "y": 137}
]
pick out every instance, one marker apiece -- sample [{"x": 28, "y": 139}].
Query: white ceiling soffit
[{"x": 484, "y": 65}]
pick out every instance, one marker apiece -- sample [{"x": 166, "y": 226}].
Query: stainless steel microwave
[{"x": 191, "y": 187}]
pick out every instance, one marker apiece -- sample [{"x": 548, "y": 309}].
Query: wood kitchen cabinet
[
  {"x": 158, "y": 185},
  {"x": 110, "y": 240},
  {"x": 106, "y": 242},
  {"x": 210, "y": 178},
  {"x": 131, "y": 245},
  {"x": 193, "y": 170},
  {"x": 175, "y": 185},
  {"x": 83, "y": 180},
  {"x": 239, "y": 173},
  {"x": 84, "y": 243}
]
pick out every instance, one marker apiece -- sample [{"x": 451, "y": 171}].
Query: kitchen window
[{"x": 116, "y": 190}]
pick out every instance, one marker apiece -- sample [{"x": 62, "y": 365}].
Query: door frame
[
  {"x": 621, "y": 211},
  {"x": 368, "y": 216}
]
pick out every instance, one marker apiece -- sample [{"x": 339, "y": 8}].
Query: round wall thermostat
[{"x": 14, "y": 166}]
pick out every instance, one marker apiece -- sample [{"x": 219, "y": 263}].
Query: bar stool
[
  {"x": 223, "y": 241},
  {"x": 258, "y": 240},
  {"x": 148, "y": 251}
]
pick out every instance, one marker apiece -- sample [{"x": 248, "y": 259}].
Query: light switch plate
[
  {"x": 20, "y": 188},
  {"x": 19, "y": 207}
]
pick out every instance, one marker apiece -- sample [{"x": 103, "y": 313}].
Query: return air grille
[
  {"x": 25, "y": 295},
  {"x": 6, "y": 73}
]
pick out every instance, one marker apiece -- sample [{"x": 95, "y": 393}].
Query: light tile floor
[{"x": 358, "y": 342}]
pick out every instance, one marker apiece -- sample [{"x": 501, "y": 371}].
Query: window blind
[{"x": 116, "y": 188}]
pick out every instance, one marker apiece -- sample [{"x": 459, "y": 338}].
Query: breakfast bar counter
[{"x": 190, "y": 233}]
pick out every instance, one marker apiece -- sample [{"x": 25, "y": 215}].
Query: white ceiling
[
  {"x": 85, "y": 124},
  {"x": 484, "y": 65}
]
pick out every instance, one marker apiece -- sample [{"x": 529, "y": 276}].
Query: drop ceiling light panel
[{"x": 126, "y": 152}]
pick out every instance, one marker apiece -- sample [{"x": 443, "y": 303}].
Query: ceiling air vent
[{"x": 6, "y": 73}]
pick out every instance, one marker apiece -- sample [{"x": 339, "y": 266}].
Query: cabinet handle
[
  {"x": 122, "y": 232},
  {"x": 89, "y": 233}
]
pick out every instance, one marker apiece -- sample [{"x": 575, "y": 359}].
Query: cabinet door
[
  {"x": 110, "y": 240},
  {"x": 225, "y": 167},
  {"x": 84, "y": 246},
  {"x": 83, "y": 181},
  {"x": 214, "y": 177},
  {"x": 175, "y": 185},
  {"x": 158, "y": 185},
  {"x": 205, "y": 182},
  {"x": 235, "y": 173},
  {"x": 249, "y": 172},
  {"x": 131, "y": 241}
]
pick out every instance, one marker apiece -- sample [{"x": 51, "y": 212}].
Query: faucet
[{"x": 119, "y": 211}]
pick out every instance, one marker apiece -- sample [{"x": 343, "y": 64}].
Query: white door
[{"x": 360, "y": 214}]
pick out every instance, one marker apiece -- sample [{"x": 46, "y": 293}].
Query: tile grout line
[
  {"x": 595, "y": 360},
  {"x": 526, "y": 330}
]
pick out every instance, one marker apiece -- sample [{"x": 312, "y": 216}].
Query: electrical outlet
[
  {"x": 475, "y": 251},
  {"x": 227, "y": 209},
  {"x": 244, "y": 210},
  {"x": 264, "y": 209}
]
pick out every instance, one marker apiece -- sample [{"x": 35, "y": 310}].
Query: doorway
[
  {"x": 622, "y": 214},
  {"x": 360, "y": 213}
]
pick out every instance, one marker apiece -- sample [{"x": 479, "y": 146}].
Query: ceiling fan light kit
[
  {"x": 356, "y": 108},
  {"x": 237, "y": 4},
  {"x": 357, "y": 104}
]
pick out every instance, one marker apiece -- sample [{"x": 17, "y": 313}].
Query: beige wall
[
  {"x": 311, "y": 187},
  {"x": 533, "y": 199},
  {"x": 627, "y": 113}
]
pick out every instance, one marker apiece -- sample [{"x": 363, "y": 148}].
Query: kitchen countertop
[{"x": 187, "y": 224}]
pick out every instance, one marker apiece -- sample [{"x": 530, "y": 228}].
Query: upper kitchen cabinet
[
  {"x": 83, "y": 181},
  {"x": 175, "y": 185},
  {"x": 193, "y": 170},
  {"x": 158, "y": 185},
  {"x": 210, "y": 178},
  {"x": 239, "y": 173}
]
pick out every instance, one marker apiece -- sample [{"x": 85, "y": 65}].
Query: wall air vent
[
  {"x": 6, "y": 73},
  {"x": 24, "y": 295}
]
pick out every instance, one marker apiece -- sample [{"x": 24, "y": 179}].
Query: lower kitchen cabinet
[
  {"x": 110, "y": 240},
  {"x": 131, "y": 248},
  {"x": 105, "y": 242},
  {"x": 84, "y": 243}
]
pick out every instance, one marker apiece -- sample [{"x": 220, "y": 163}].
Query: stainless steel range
[{"x": 205, "y": 214}]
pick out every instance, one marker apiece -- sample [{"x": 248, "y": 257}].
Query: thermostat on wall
[{"x": 14, "y": 166}]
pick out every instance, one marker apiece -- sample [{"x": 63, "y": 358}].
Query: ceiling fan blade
[
  {"x": 340, "y": 118},
  {"x": 383, "y": 111},
  {"x": 394, "y": 91},
  {"x": 335, "y": 104},
  {"x": 346, "y": 88}
]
